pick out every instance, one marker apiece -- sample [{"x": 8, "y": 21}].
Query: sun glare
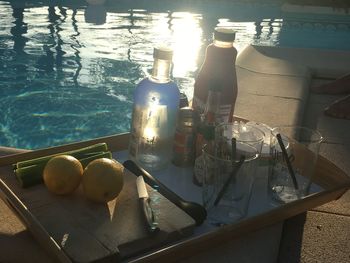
[{"x": 187, "y": 42}]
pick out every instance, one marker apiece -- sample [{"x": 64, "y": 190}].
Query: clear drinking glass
[
  {"x": 242, "y": 132},
  {"x": 291, "y": 169},
  {"x": 227, "y": 182}
]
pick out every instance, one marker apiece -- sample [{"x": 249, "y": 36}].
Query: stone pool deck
[{"x": 274, "y": 89}]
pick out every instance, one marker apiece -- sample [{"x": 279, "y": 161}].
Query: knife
[
  {"x": 196, "y": 211},
  {"x": 145, "y": 203}
]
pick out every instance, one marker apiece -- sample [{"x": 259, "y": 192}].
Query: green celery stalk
[
  {"x": 78, "y": 153},
  {"x": 87, "y": 160},
  {"x": 30, "y": 175}
]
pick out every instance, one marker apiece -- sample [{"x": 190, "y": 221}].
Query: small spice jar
[{"x": 184, "y": 143}]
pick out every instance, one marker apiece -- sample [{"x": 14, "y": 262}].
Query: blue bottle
[{"x": 156, "y": 103}]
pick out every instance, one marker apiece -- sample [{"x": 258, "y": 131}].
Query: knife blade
[{"x": 146, "y": 207}]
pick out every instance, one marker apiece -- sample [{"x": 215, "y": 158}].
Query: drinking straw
[
  {"x": 233, "y": 149},
  {"x": 229, "y": 179},
  {"x": 289, "y": 165}
]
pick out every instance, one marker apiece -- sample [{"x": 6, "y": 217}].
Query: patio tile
[
  {"x": 339, "y": 154},
  {"x": 21, "y": 247},
  {"x": 321, "y": 100},
  {"x": 315, "y": 237},
  {"x": 333, "y": 130},
  {"x": 325, "y": 63},
  {"x": 255, "y": 59},
  {"x": 267, "y": 85},
  {"x": 10, "y": 224},
  {"x": 340, "y": 206},
  {"x": 259, "y": 108},
  {"x": 296, "y": 87}
]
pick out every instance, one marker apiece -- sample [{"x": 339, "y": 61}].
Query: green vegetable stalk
[{"x": 79, "y": 154}]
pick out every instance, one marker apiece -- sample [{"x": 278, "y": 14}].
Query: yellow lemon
[
  {"x": 62, "y": 174},
  {"x": 103, "y": 180}
]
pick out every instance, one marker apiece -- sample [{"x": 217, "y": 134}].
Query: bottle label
[
  {"x": 223, "y": 114},
  {"x": 198, "y": 105},
  {"x": 149, "y": 128},
  {"x": 198, "y": 171},
  {"x": 184, "y": 141}
]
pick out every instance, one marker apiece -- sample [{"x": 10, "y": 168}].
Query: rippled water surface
[{"x": 68, "y": 71}]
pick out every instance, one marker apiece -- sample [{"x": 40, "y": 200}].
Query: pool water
[{"x": 68, "y": 71}]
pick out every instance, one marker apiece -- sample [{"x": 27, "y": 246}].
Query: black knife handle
[{"x": 196, "y": 211}]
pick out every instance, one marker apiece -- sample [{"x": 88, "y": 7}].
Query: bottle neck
[
  {"x": 222, "y": 44},
  {"x": 161, "y": 70}
]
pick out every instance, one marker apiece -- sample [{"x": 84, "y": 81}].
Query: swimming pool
[{"x": 68, "y": 71}]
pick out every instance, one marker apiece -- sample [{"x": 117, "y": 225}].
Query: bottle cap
[
  {"x": 225, "y": 34},
  {"x": 187, "y": 113},
  {"x": 163, "y": 52}
]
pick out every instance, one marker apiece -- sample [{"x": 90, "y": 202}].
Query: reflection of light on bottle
[
  {"x": 156, "y": 116},
  {"x": 154, "y": 135},
  {"x": 153, "y": 103},
  {"x": 149, "y": 134}
]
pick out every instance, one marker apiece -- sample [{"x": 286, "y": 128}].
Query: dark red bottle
[{"x": 219, "y": 64}]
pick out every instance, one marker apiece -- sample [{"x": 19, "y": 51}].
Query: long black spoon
[{"x": 196, "y": 211}]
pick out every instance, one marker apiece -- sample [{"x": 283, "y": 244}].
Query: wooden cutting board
[{"x": 75, "y": 229}]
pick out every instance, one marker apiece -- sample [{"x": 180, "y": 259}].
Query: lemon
[
  {"x": 103, "y": 180},
  {"x": 62, "y": 174}
]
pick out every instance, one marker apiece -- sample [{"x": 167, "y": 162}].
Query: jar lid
[
  {"x": 225, "y": 34},
  {"x": 188, "y": 113},
  {"x": 163, "y": 52}
]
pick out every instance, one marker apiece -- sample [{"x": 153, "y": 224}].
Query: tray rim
[{"x": 340, "y": 183}]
